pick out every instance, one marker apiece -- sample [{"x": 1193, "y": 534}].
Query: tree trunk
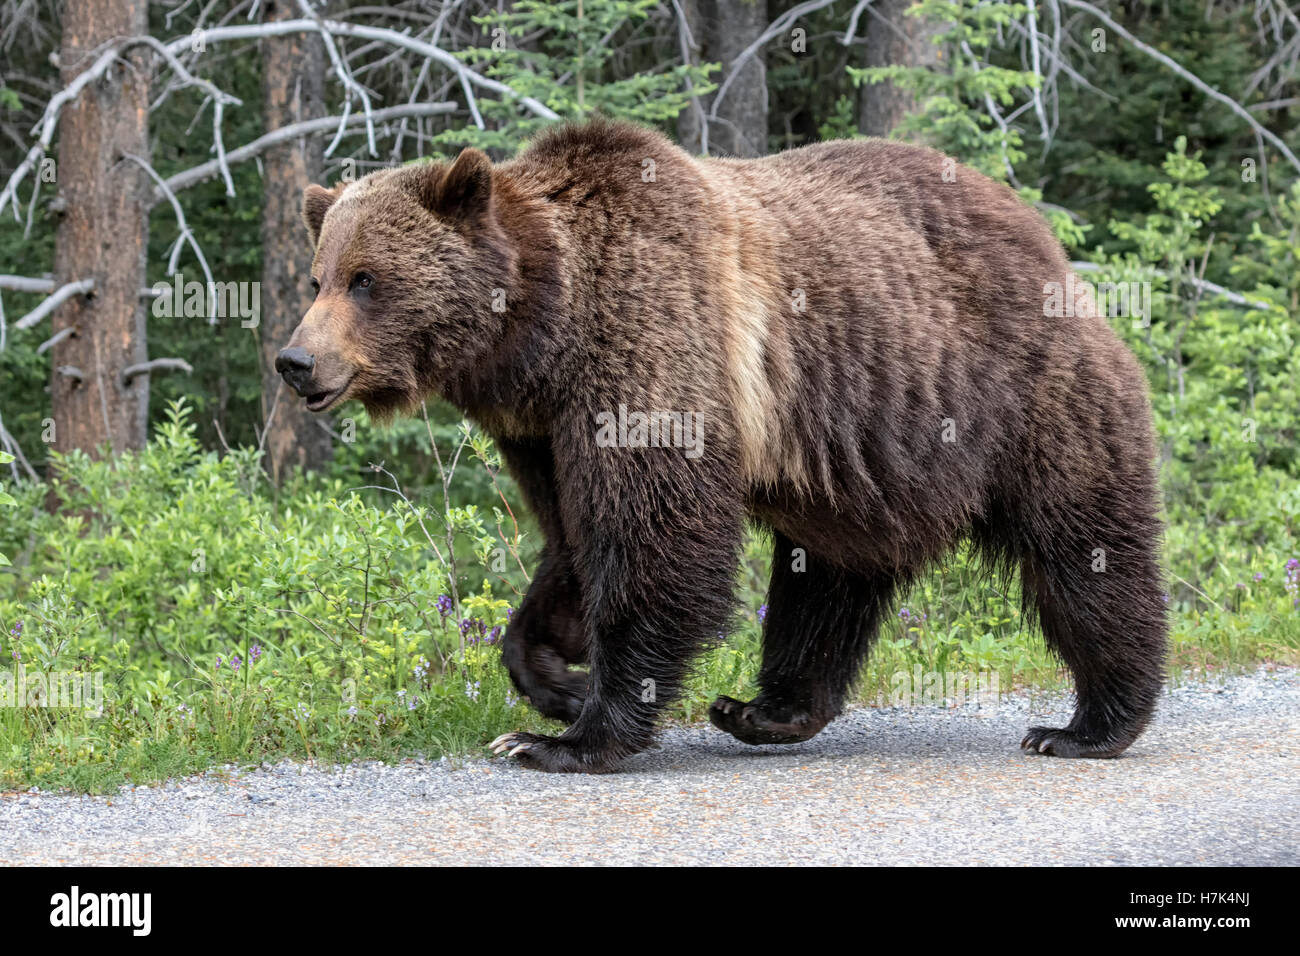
[
  {"x": 883, "y": 105},
  {"x": 102, "y": 235},
  {"x": 722, "y": 29},
  {"x": 292, "y": 79}
]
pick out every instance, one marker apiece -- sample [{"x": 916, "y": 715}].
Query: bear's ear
[
  {"x": 316, "y": 202},
  {"x": 464, "y": 192}
]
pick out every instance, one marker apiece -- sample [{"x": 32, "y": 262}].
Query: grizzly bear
[{"x": 848, "y": 345}]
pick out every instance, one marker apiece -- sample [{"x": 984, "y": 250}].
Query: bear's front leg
[
  {"x": 545, "y": 635},
  {"x": 656, "y": 540}
]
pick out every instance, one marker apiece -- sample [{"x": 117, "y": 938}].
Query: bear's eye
[{"x": 362, "y": 280}]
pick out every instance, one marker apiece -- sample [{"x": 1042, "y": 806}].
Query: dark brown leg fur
[
  {"x": 545, "y": 636},
  {"x": 821, "y": 621},
  {"x": 1107, "y": 626},
  {"x": 658, "y": 538},
  {"x": 546, "y": 633}
]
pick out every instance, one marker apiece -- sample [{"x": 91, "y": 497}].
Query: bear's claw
[
  {"x": 539, "y": 752},
  {"x": 753, "y": 723},
  {"x": 1059, "y": 742}
]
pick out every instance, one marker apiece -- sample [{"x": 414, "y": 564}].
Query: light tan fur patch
[
  {"x": 748, "y": 297},
  {"x": 746, "y": 323}
]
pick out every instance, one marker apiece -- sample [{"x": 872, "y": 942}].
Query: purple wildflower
[
  {"x": 421, "y": 669},
  {"x": 762, "y": 612}
]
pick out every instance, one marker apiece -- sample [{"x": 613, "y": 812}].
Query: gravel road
[{"x": 1215, "y": 780}]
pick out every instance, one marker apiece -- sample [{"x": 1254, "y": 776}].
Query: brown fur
[{"x": 923, "y": 309}]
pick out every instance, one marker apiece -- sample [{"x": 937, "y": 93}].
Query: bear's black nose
[{"x": 296, "y": 367}]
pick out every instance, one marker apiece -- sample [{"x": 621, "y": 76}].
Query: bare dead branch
[
  {"x": 55, "y": 339},
  {"x": 1190, "y": 77},
  {"x": 260, "y": 145},
  {"x": 1036, "y": 64},
  {"x": 53, "y": 301},
  {"x": 155, "y": 365},
  {"x": 345, "y": 77},
  {"x": 25, "y": 284},
  {"x": 364, "y": 32},
  {"x": 186, "y": 234},
  {"x": 779, "y": 26},
  {"x": 1201, "y": 285},
  {"x": 687, "y": 45},
  {"x": 170, "y": 53}
]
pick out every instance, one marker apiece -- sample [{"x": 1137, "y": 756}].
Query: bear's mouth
[{"x": 319, "y": 401}]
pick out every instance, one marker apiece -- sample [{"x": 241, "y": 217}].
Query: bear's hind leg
[
  {"x": 821, "y": 621},
  {"x": 1099, "y": 601}
]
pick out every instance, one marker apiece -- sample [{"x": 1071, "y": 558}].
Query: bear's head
[{"x": 409, "y": 265}]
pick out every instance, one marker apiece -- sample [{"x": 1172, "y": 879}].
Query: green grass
[
  {"x": 174, "y": 724},
  {"x": 164, "y": 566}
]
